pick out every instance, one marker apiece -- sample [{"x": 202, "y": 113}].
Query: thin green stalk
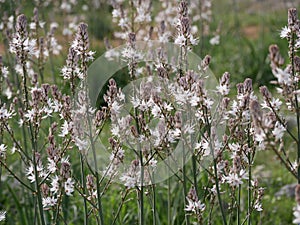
[
  {"x": 239, "y": 206},
  {"x": 291, "y": 56},
  {"x": 120, "y": 207},
  {"x": 141, "y": 191},
  {"x": 215, "y": 170},
  {"x": 100, "y": 210},
  {"x": 15, "y": 176},
  {"x": 154, "y": 204},
  {"x": 38, "y": 190},
  {"x": 187, "y": 219},
  {"x": 34, "y": 147},
  {"x": 249, "y": 175},
  {"x": 169, "y": 200},
  {"x": 219, "y": 194},
  {"x": 85, "y": 218}
]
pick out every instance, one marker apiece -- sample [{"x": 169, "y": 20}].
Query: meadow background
[{"x": 246, "y": 29}]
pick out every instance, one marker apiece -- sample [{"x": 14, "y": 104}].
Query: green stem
[
  {"x": 169, "y": 200},
  {"x": 154, "y": 204},
  {"x": 85, "y": 218},
  {"x": 239, "y": 206},
  {"x": 141, "y": 191},
  {"x": 215, "y": 169}
]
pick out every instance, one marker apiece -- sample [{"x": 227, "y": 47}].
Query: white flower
[
  {"x": 5, "y": 114},
  {"x": 123, "y": 23},
  {"x": 51, "y": 165},
  {"x": 208, "y": 103},
  {"x": 8, "y": 93},
  {"x": 81, "y": 144},
  {"x": 285, "y": 32},
  {"x": 259, "y": 136},
  {"x": 194, "y": 41},
  {"x": 55, "y": 47},
  {"x": 167, "y": 106},
  {"x": 278, "y": 131},
  {"x": 215, "y": 40},
  {"x": 223, "y": 89},
  {"x": 194, "y": 100},
  {"x": 258, "y": 207},
  {"x": 155, "y": 110},
  {"x": 116, "y": 13},
  {"x": 64, "y": 129},
  {"x": 30, "y": 115},
  {"x": 129, "y": 181},
  {"x": 54, "y": 184},
  {"x": 275, "y": 103},
  {"x": 30, "y": 174},
  {"x": 2, "y": 215},
  {"x": 234, "y": 179},
  {"x": 5, "y": 72},
  {"x": 282, "y": 76},
  {"x": 180, "y": 40},
  {"x": 296, "y": 214},
  {"x": 164, "y": 38},
  {"x": 2, "y": 151},
  {"x": 194, "y": 206},
  {"x": 69, "y": 186},
  {"x": 49, "y": 202}
]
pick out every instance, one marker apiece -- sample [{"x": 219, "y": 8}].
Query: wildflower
[
  {"x": 296, "y": 214},
  {"x": 51, "y": 165},
  {"x": 64, "y": 129},
  {"x": 278, "y": 131},
  {"x": 258, "y": 207},
  {"x": 5, "y": 114},
  {"x": 30, "y": 174},
  {"x": 2, "y": 151},
  {"x": 194, "y": 41},
  {"x": 215, "y": 40},
  {"x": 2, "y": 215},
  {"x": 49, "y": 202},
  {"x": 283, "y": 76},
  {"x": 234, "y": 179},
  {"x": 180, "y": 40},
  {"x": 69, "y": 186},
  {"x": 285, "y": 32},
  {"x": 54, "y": 184},
  {"x": 81, "y": 144},
  {"x": 194, "y": 205},
  {"x": 129, "y": 181}
]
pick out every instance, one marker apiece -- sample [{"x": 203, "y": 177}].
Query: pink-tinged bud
[
  {"x": 265, "y": 92},
  {"x": 90, "y": 183},
  {"x": 185, "y": 25},
  {"x": 162, "y": 72},
  {"x": 248, "y": 85},
  {"x": 45, "y": 189},
  {"x": 65, "y": 170},
  {"x": 21, "y": 25},
  {"x": 183, "y": 8},
  {"x": 292, "y": 17},
  {"x": 178, "y": 119}
]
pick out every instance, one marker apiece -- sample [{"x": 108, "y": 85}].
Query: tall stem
[
  {"x": 215, "y": 169},
  {"x": 85, "y": 218},
  {"x": 249, "y": 176},
  {"x": 239, "y": 206},
  {"x": 292, "y": 55}
]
